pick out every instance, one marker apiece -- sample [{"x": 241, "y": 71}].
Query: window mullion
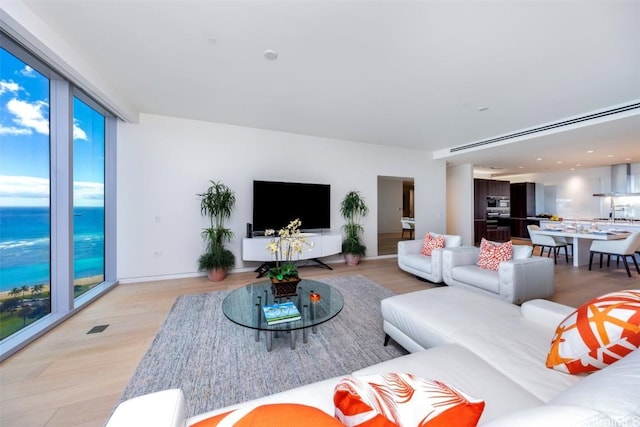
[{"x": 61, "y": 122}]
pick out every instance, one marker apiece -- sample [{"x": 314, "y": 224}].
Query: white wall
[
  {"x": 570, "y": 194},
  {"x": 460, "y": 202},
  {"x": 164, "y": 162}
]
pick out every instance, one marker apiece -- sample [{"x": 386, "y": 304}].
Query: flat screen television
[{"x": 276, "y": 204}]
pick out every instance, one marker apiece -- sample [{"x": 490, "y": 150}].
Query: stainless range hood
[{"x": 620, "y": 182}]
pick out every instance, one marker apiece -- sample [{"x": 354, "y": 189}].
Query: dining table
[{"x": 581, "y": 239}]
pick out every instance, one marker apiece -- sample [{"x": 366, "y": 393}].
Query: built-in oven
[
  {"x": 498, "y": 212},
  {"x": 498, "y": 202}
]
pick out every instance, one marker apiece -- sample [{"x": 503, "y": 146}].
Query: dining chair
[
  {"x": 407, "y": 226},
  {"x": 622, "y": 248},
  {"x": 554, "y": 243}
]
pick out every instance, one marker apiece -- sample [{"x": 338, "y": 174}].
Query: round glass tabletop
[{"x": 245, "y": 306}]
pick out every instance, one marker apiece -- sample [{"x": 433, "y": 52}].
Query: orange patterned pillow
[
  {"x": 430, "y": 243},
  {"x": 393, "y": 400},
  {"x": 276, "y": 414},
  {"x": 492, "y": 254},
  {"x": 597, "y": 333}
]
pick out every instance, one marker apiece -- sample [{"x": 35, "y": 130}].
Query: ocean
[{"x": 25, "y": 246}]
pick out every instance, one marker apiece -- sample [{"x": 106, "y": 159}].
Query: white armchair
[
  {"x": 523, "y": 278},
  {"x": 425, "y": 267}
]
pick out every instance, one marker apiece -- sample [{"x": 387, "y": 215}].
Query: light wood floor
[{"x": 71, "y": 378}]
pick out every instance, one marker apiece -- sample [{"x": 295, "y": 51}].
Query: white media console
[{"x": 324, "y": 244}]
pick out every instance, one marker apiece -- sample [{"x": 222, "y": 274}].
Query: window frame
[{"x": 63, "y": 305}]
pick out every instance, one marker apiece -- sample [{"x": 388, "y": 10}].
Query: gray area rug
[{"x": 218, "y": 363}]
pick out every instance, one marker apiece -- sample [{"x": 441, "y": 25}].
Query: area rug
[{"x": 218, "y": 363}]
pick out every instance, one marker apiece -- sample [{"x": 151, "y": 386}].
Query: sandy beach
[{"x": 82, "y": 281}]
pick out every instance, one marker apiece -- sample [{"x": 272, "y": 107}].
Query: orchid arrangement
[{"x": 289, "y": 243}]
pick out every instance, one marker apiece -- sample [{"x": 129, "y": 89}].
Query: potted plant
[
  {"x": 284, "y": 273},
  {"x": 216, "y": 204},
  {"x": 352, "y": 209}
]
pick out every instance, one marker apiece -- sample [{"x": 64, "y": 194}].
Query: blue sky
[{"x": 24, "y": 140}]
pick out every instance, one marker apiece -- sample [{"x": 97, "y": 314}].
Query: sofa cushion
[
  {"x": 398, "y": 399},
  {"x": 480, "y": 277},
  {"x": 493, "y": 253},
  {"x": 419, "y": 262},
  {"x": 430, "y": 243},
  {"x": 597, "y": 333},
  {"x": 458, "y": 367},
  {"x": 522, "y": 251},
  {"x": 614, "y": 391},
  {"x": 491, "y": 328},
  {"x": 276, "y": 414}
]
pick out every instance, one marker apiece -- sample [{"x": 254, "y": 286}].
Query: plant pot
[
  {"x": 216, "y": 274},
  {"x": 352, "y": 259},
  {"x": 284, "y": 288}
]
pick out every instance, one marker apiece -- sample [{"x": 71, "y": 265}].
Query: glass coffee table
[{"x": 244, "y": 307}]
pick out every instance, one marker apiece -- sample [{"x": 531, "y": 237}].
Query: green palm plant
[
  {"x": 353, "y": 208},
  {"x": 216, "y": 204}
]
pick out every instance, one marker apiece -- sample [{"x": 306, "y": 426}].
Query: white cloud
[
  {"x": 12, "y": 130},
  {"x": 6, "y": 86},
  {"x": 27, "y": 71},
  {"x": 85, "y": 191},
  {"x": 24, "y": 186},
  {"x": 78, "y": 133},
  {"x": 30, "y": 115},
  {"x": 33, "y": 191}
]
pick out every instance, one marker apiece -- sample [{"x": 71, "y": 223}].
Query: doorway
[{"x": 395, "y": 201}]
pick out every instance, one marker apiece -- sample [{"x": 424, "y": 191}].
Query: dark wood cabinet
[
  {"x": 479, "y": 230},
  {"x": 480, "y": 199},
  {"x": 523, "y": 205},
  {"x": 500, "y": 234},
  {"x": 483, "y": 188},
  {"x": 498, "y": 188}
]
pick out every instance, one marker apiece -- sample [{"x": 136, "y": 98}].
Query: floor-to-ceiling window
[
  {"x": 25, "y": 244},
  {"x": 57, "y": 197},
  {"x": 88, "y": 197}
]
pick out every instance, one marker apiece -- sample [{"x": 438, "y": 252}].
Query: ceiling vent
[
  {"x": 548, "y": 127},
  {"x": 620, "y": 182}
]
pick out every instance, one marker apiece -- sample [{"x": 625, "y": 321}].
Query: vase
[
  {"x": 216, "y": 274},
  {"x": 285, "y": 288}
]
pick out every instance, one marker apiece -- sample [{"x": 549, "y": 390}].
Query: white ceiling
[{"x": 400, "y": 73}]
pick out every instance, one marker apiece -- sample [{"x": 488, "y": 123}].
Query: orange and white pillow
[
  {"x": 598, "y": 333},
  {"x": 276, "y": 414},
  {"x": 492, "y": 254},
  {"x": 430, "y": 243},
  {"x": 393, "y": 400}
]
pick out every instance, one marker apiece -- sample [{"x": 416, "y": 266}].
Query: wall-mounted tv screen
[{"x": 276, "y": 204}]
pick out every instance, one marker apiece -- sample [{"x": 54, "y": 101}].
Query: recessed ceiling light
[
  {"x": 589, "y": 151},
  {"x": 609, "y": 155},
  {"x": 578, "y": 165},
  {"x": 520, "y": 167},
  {"x": 270, "y": 54},
  {"x": 539, "y": 158},
  {"x": 559, "y": 162}
]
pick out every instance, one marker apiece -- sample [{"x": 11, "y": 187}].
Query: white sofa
[
  {"x": 422, "y": 266},
  {"x": 520, "y": 279},
  {"x": 486, "y": 347}
]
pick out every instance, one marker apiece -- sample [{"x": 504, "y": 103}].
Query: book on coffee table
[{"x": 282, "y": 312}]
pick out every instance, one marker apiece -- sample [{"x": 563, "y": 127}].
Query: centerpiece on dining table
[{"x": 288, "y": 244}]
